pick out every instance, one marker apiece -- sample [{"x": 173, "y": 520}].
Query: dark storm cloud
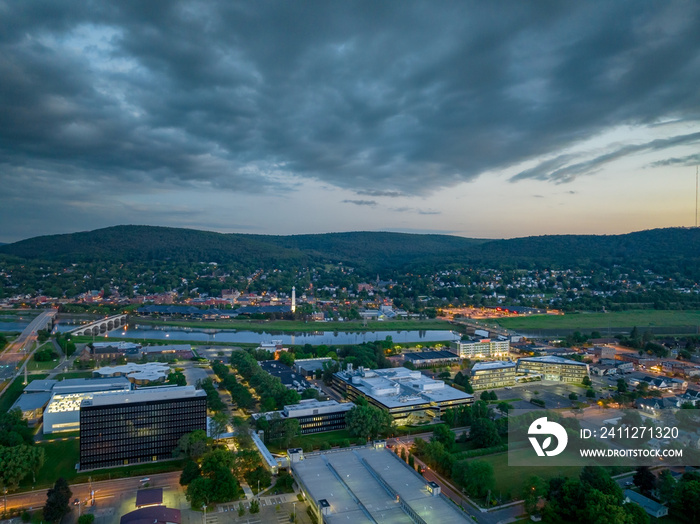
[
  {"x": 554, "y": 170},
  {"x": 383, "y": 98}
]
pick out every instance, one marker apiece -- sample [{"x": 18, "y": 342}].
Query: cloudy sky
[{"x": 484, "y": 119}]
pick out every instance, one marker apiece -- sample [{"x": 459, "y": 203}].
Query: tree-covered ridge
[{"x": 371, "y": 251}]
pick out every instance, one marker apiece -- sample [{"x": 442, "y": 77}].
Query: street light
[
  {"x": 295, "y": 511},
  {"x": 204, "y": 518}
]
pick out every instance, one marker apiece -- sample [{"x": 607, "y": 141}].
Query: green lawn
[
  {"x": 33, "y": 365},
  {"x": 600, "y": 321},
  {"x": 299, "y": 326},
  {"x": 63, "y": 455},
  {"x": 510, "y": 479},
  {"x": 334, "y": 438},
  {"x": 15, "y": 389}
]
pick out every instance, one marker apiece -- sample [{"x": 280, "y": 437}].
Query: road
[
  {"x": 12, "y": 356},
  {"x": 104, "y": 490}
]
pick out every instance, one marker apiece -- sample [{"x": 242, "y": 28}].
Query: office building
[
  {"x": 554, "y": 368},
  {"x": 490, "y": 375},
  {"x": 406, "y": 394},
  {"x": 144, "y": 425},
  {"x": 481, "y": 349},
  {"x": 431, "y": 358},
  {"x": 314, "y": 416}
]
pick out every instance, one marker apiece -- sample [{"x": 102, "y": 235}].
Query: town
[{"x": 273, "y": 428}]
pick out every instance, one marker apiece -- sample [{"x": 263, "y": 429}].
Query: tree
[
  {"x": 177, "y": 378},
  {"x": 667, "y": 484},
  {"x": 367, "y": 421},
  {"x": 254, "y": 506},
  {"x": 87, "y": 518},
  {"x": 190, "y": 472},
  {"x": 587, "y": 381},
  {"x": 504, "y": 407},
  {"x": 485, "y": 396},
  {"x": 286, "y": 358},
  {"x": 590, "y": 393},
  {"x": 57, "y": 501},
  {"x": 621, "y": 386},
  {"x": 193, "y": 445},
  {"x": 219, "y": 424},
  {"x": 17, "y": 462},
  {"x": 573, "y": 396},
  {"x": 444, "y": 435},
  {"x": 484, "y": 433},
  {"x": 476, "y": 477},
  {"x": 686, "y": 500},
  {"x": 533, "y": 490},
  {"x": 645, "y": 480}
]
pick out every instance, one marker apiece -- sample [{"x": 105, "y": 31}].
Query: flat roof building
[
  {"x": 144, "y": 425},
  {"x": 484, "y": 348},
  {"x": 430, "y": 358},
  {"x": 283, "y": 372},
  {"x": 369, "y": 484},
  {"x": 314, "y": 416},
  {"x": 554, "y": 368},
  {"x": 490, "y": 375},
  {"x": 405, "y": 393},
  {"x": 308, "y": 366}
]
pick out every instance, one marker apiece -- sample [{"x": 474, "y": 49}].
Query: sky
[{"x": 481, "y": 119}]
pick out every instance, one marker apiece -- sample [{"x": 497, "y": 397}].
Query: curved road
[{"x": 13, "y": 355}]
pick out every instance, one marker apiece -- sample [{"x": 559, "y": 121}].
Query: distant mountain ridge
[{"x": 367, "y": 250}]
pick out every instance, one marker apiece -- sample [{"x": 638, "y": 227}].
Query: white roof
[{"x": 144, "y": 395}]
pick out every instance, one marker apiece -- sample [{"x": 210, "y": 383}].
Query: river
[{"x": 254, "y": 337}]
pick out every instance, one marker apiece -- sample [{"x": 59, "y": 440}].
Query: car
[
  {"x": 508, "y": 387},
  {"x": 629, "y": 483},
  {"x": 146, "y": 479}
]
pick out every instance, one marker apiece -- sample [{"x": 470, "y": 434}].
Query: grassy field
[
  {"x": 299, "y": 326},
  {"x": 601, "y": 321},
  {"x": 510, "y": 479},
  {"x": 63, "y": 455},
  {"x": 15, "y": 389}
]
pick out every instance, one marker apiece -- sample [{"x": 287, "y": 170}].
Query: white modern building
[{"x": 481, "y": 349}]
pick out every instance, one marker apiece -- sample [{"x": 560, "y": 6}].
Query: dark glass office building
[{"x": 130, "y": 427}]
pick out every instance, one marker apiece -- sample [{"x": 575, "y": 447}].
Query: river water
[{"x": 254, "y": 337}]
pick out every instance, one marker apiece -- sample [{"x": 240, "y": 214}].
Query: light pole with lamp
[
  {"x": 295, "y": 511},
  {"x": 204, "y": 517}
]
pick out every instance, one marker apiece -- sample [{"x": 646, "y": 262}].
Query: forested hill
[{"x": 364, "y": 250}]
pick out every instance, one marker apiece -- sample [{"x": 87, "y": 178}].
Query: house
[
  {"x": 650, "y": 405},
  {"x": 652, "y": 507}
]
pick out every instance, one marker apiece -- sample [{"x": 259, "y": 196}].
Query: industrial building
[
  {"x": 145, "y": 425},
  {"x": 307, "y": 367},
  {"x": 404, "y": 393},
  {"x": 480, "y": 349},
  {"x": 314, "y": 416},
  {"x": 369, "y": 484},
  {"x": 554, "y": 368},
  {"x": 490, "y": 375}
]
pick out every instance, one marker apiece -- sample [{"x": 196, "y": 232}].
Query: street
[{"x": 17, "y": 350}]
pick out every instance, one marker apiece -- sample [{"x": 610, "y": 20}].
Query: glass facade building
[{"x": 138, "y": 426}]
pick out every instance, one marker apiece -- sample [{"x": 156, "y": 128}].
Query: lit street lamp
[{"x": 295, "y": 511}]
